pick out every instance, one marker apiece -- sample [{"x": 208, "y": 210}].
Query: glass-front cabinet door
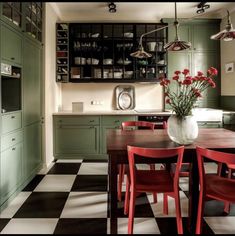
[
  {"x": 13, "y": 12},
  {"x": 33, "y": 19}
]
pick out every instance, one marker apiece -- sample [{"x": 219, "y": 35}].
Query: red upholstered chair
[
  {"x": 160, "y": 181},
  {"x": 125, "y": 124},
  {"x": 213, "y": 186}
]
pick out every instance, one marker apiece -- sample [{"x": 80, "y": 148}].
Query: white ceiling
[{"x": 136, "y": 11}]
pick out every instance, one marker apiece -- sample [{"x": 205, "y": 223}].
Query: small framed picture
[{"x": 229, "y": 67}]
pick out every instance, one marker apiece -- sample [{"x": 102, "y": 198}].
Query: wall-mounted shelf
[{"x": 100, "y": 52}]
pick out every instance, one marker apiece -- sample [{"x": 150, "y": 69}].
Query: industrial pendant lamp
[
  {"x": 176, "y": 45},
  {"x": 228, "y": 33}
]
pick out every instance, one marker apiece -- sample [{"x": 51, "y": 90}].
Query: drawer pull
[
  {"x": 13, "y": 117},
  {"x": 13, "y": 139},
  {"x": 13, "y": 149},
  {"x": 92, "y": 120},
  {"x": 91, "y": 127},
  {"x": 12, "y": 58},
  {"x": 116, "y": 121}
]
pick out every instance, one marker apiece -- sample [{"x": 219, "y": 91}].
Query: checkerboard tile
[{"x": 70, "y": 197}]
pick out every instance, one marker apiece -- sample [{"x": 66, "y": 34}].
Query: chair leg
[
  {"x": 127, "y": 197},
  {"x": 200, "y": 213},
  {"x": 120, "y": 180},
  {"x": 152, "y": 167},
  {"x": 227, "y": 207},
  {"x": 165, "y": 203},
  {"x": 178, "y": 214},
  {"x": 131, "y": 212}
]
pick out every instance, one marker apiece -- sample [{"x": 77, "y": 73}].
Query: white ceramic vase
[{"x": 182, "y": 130}]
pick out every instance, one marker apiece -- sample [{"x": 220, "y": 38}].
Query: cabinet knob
[
  {"x": 12, "y": 58},
  {"x": 116, "y": 121},
  {"x": 13, "y": 139},
  {"x": 92, "y": 121},
  {"x": 13, "y": 149},
  {"x": 12, "y": 117}
]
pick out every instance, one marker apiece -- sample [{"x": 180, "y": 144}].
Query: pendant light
[
  {"x": 177, "y": 45},
  {"x": 228, "y": 33}
]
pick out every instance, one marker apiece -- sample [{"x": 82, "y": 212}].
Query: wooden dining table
[{"x": 117, "y": 141}]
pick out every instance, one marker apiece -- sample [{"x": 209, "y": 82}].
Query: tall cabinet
[
  {"x": 21, "y": 116},
  {"x": 203, "y": 54}
]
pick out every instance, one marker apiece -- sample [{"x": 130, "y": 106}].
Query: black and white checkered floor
[{"x": 70, "y": 197}]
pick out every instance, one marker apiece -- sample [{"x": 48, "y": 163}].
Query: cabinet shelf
[{"x": 112, "y": 44}]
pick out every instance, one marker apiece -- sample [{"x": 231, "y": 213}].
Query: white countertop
[{"x": 116, "y": 112}]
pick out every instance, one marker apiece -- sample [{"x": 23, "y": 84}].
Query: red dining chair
[
  {"x": 160, "y": 181},
  {"x": 148, "y": 125},
  {"x": 213, "y": 186},
  {"x": 122, "y": 169}
]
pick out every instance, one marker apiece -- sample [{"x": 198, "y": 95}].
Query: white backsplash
[{"x": 148, "y": 96}]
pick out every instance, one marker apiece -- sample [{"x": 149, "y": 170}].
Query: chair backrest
[
  {"x": 161, "y": 153},
  {"x": 217, "y": 156},
  {"x": 146, "y": 124}
]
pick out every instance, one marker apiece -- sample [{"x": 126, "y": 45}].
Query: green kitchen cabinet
[
  {"x": 32, "y": 71},
  {"x": 11, "y": 45},
  {"x": 32, "y": 158},
  {"x": 11, "y": 170},
  {"x": 111, "y": 122},
  {"x": 201, "y": 36},
  {"x": 76, "y": 135},
  {"x": 203, "y": 54},
  {"x": 11, "y": 121}
]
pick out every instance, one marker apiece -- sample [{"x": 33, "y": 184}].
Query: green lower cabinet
[
  {"x": 11, "y": 170},
  {"x": 76, "y": 139},
  {"x": 32, "y": 149},
  {"x": 76, "y": 136},
  {"x": 111, "y": 122},
  {"x": 103, "y": 137}
]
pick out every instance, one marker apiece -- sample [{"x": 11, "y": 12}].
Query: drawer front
[
  {"x": 11, "y": 122},
  {"x": 78, "y": 120},
  {"x": 116, "y": 120},
  {"x": 11, "y": 139}
]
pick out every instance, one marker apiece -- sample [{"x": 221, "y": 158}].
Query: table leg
[
  {"x": 112, "y": 201},
  {"x": 193, "y": 193}
]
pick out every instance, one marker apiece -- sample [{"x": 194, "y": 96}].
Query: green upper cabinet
[
  {"x": 203, "y": 54},
  {"x": 32, "y": 21},
  {"x": 11, "y": 45},
  {"x": 12, "y": 13},
  {"x": 201, "y": 36},
  {"x": 32, "y": 67}
]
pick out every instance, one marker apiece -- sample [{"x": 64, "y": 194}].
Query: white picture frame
[{"x": 229, "y": 67}]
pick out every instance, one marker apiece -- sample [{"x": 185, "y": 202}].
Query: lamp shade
[
  {"x": 141, "y": 53},
  {"x": 228, "y": 33},
  {"x": 177, "y": 45}
]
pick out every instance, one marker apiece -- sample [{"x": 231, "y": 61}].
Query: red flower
[
  {"x": 212, "y": 71},
  {"x": 197, "y": 92},
  {"x": 185, "y": 71},
  {"x": 199, "y": 73},
  {"x": 176, "y": 77},
  {"x": 187, "y": 81},
  {"x": 177, "y": 72}
]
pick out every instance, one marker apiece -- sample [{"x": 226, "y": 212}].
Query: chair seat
[
  {"x": 154, "y": 180},
  {"x": 219, "y": 188}
]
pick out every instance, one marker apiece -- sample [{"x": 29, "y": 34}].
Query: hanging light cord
[{"x": 176, "y": 24}]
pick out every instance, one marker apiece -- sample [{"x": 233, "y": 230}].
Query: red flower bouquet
[{"x": 188, "y": 90}]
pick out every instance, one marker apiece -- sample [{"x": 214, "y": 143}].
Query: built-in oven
[{"x": 10, "y": 88}]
